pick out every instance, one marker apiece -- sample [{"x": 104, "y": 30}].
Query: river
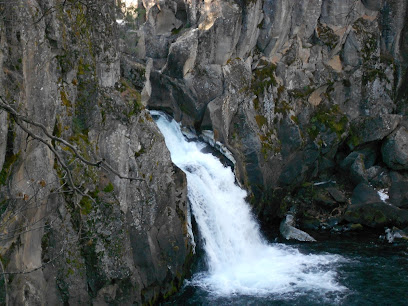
[{"x": 236, "y": 265}]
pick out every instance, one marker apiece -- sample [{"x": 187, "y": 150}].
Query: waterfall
[{"x": 239, "y": 259}]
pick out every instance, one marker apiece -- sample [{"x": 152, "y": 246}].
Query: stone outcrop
[
  {"x": 290, "y": 232},
  {"x": 291, "y": 89},
  {"x": 310, "y": 97},
  {"x": 395, "y": 149},
  {"x": 74, "y": 232}
]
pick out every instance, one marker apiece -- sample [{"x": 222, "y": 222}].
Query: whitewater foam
[{"x": 239, "y": 260}]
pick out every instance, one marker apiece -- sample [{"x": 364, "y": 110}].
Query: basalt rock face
[
  {"x": 290, "y": 88},
  {"x": 73, "y": 232}
]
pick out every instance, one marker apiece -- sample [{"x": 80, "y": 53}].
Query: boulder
[
  {"x": 374, "y": 5},
  {"x": 299, "y": 166},
  {"x": 399, "y": 190},
  {"x": 364, "y": 194},
  {"x": 357, "y": 170},
  {"x": 395, "y": 233},
  {"x": 349, "y": 160},
  {"x": 373, "y": 172},
  {"x": 374, "y": 128},
  {"x": 350, "y": 54},
  {"x": 289, "y": 232},
  {"x": 368, "y": 155},
  {"x": 323, "y": 198},
  {"x": 182, "y": 55},
  {"x": 310, "y": 223},
  {"x": 379, "y": 177},
  {"x": 376, "y": 215},
  {"x": 337, "y": 195},
  {"x": 395, "y": 149}
]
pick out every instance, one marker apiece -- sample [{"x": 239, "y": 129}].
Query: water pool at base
[
  {"x": 374, "y": 273},
  {"x": 236, "y": 265}
]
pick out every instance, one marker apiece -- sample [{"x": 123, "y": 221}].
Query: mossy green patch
[
  {"x": 261, "y": 120},
  {"x": 327, "y": 35},
  {"x": 302, "y": 93},
  {"x": 132, "y": 97},
  {"x": 86, "y": 205},
  {"x": 7, "y": 166},
  {"x": 108, "y": 188},
  {"x": 269, "y": 144},
  {"x": 263, "y": 77},
  {"x": 328, "y": 118},
  {"x": 64, "y": 99},
  {"x": 369, "y": 75},
  {"x": 370, "y": 42},
  {"x": 283, "y": 107},
  {"x": 173, "y": 289}
]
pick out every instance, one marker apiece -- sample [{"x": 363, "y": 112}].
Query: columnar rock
[
  {"x": 290, "y": 88},
  {"x": 395, "y": 149},
  {"x": 112, "y": 229},
  {"x": 301, "y": 92}
]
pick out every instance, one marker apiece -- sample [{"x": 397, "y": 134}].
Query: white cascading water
[{"x": 239, "y": 260}]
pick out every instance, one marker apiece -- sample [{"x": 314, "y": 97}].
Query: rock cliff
[
  {"x": 92, "y": 209},
  {"x": 309, "y": 96},
  {"x": 300, "y": 92}
]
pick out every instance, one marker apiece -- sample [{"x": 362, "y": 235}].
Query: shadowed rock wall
[
  {"x": 113, "y": 239},
  {"x": 291, "y": 88}
]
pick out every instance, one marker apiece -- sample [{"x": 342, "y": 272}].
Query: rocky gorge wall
[
  {"x": 309, "y": 96},
  {"x": 92, "y": 209},
  {"x": 301, "y": 92}
]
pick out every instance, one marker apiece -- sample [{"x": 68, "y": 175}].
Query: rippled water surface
[
  {"x": 374, "y": 273},
  {"x": 236, "y": 265}
]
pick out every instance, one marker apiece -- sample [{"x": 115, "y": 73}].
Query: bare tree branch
[
  {"x": 18, "y": 118},
  {"x": 37, "y": 268}
]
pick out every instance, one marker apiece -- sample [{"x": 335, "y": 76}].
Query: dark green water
[
  {"x": 374, "y": 272},
  {"x": 340, "y": 271}
]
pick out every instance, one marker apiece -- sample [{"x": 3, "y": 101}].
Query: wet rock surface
[
  {"x": 290, "y": 232},
  {"x": 312, "y": 105},
  {"x": 299, "y": 94}
]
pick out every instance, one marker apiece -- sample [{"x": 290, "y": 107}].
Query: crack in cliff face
[
  {"x": 283, "y": 85},
  {"x": 60, "y": 67},
  {"x": 293, "y": 89}
]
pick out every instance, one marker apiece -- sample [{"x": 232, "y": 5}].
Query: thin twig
[
  {"x": 35, "y": 269},
  {"x": 4, "y": 105}
]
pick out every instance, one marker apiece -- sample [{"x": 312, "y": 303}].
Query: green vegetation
[
  {"x": 261, "y": 120},
  {"x": 369, "y": 75},
  {"x": 132, "y": 97},
  {"x": 282, "y": 107},
  {"x": 86, "y": 205},
  {"x": 262, "y": 78},
  {"x": 108, "y": 188},
  {"x": 370, "y": 45},
  {"x": 302, "y": 93},
  {"x": 372, "y": 70},
  {"x": 327, "y": 36},
  {"x": 173, "y": 289},
  {"x": 176, "y": 31},
  {"x": 328, "y": 118},
  {"x": 7, "y": 166}
]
